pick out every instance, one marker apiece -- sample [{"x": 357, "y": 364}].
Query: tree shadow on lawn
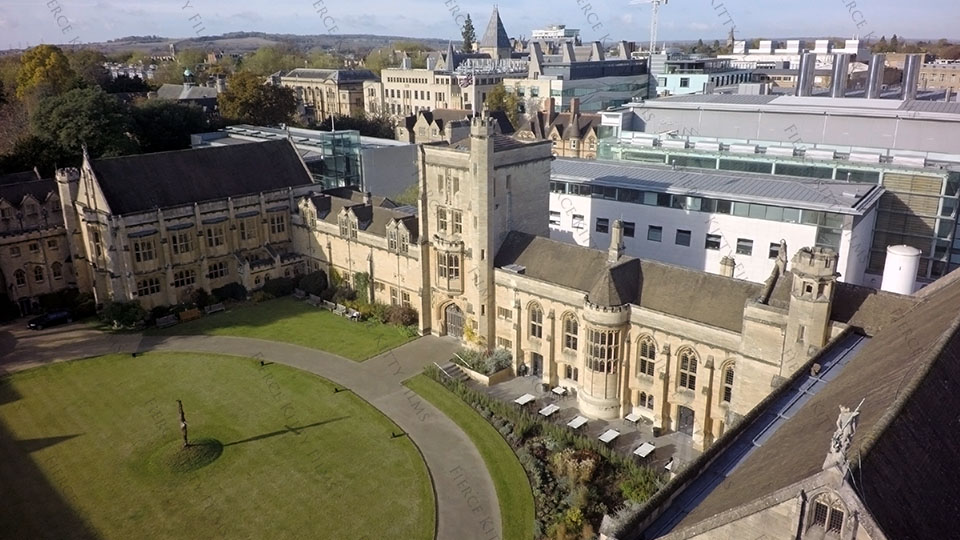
[{"x": 287, "y": 429}]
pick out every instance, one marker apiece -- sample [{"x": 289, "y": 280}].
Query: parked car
[{"x": 52, "y": 318}]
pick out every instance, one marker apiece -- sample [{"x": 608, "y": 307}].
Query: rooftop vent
[{"x": 515, "y": 268}]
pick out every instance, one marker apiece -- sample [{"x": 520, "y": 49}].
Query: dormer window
[{"x": 392, "y": 240}]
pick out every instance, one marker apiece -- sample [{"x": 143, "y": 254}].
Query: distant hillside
[{"x": 239, "y": 42}]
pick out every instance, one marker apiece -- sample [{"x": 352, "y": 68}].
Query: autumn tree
[
  {"x": 85, "y": 116},
  {"x": 44, "y": 71},
  {"x": 324, "y": 60},
  {"x": 469, "y": 35},
  {"x": 249, "y": 101}
]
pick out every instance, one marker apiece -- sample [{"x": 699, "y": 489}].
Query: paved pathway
[{"x": 467, "y": 507}]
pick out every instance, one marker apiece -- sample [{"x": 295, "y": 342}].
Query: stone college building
[{"x": 691, "y": 351}]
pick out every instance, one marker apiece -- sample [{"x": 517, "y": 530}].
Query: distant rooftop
[
  {"x": 787, "y": 191},
  {"x": 338, "y": 75},
  {"x": 859, "y": 106}
]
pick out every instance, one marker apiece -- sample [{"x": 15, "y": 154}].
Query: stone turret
[
  {"x": 811, "y": 299},
  {"x": 616, "y": 243}
]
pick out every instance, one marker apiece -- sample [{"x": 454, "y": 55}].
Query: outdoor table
[
  {"x": 577, "y": 422},
  {"x": 560, "y": 391},
  {"x": 549, "y": 409},
  {"x": 645, "y": 449},
  {"x": 609, "y": 435},
  {"x": 524, "y": 399},
  {"x": 633, "y": 418}
]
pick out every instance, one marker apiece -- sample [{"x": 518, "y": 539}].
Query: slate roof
[
  {"x": 16, "y": 178},
  {"x": 140, "y": 183},
  {"x": 905, "y": 454},
  {"x": 669, "y": 289},
  {"x": 372, "y": 219},
  {"x": 351, "y": 193},
  {"x": 186, "y": 92},
  {"x": 496, "y": 35},
  {"x": 14, "y": 193}
]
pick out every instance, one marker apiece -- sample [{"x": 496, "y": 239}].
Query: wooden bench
[
  {"x": 190, "y": 314},
  {"x": 299, "y": 294},
  {"x": 214, "y": 308},
  {"x": 341, "y": 310},
  {"x": 169, "y": 320}
]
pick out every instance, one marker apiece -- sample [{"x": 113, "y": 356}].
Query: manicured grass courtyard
[
  {"x": 293, "y": 321},
  {"x": 509, "y": 478},
  {"x": 91, "y": 449}
]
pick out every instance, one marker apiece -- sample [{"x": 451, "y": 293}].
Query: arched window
[
  {"x": 643, "y": 399},
  {"x": 20, "y": 277},
  {"x": 728, "y": 384},
  {"x": 650, "y": 401},
  {"x": 38, "y": 274},
  {"x": 536, "y": 321},
  {"x": 57, "y": 270},
  {"x": 688, "y": 369},
  {"x": 827, "y": 513},
  {"x": 647, "y": 352},
  {"x": 571, "y": 329}
]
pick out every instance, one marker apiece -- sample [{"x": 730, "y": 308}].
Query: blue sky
[{"x": 36, "y": 21}]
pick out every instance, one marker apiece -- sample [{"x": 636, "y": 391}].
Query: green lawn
[
  {"x": 293, "y": 321},
  {"x": 509, "y": 478},
  {"x": 90, "y": 443}
]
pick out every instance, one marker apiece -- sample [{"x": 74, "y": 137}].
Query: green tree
[
  {"x": 160, "y": 125},
  {"x": 85, "y": 116},
  {"x": 88, "y": 65},
  {"x": 125, "y": 83},
  {"x": 880, "y": 46},
  {"x": 498, "y": 99},
  {"x": 274, "y": 58},
  {"x": 368, "y": 126},
  {"x": 168, "y": 73},
  {"x": 699, "y": 47},
  {"x": 191, "y": 58},
  {"x": 894, "y": 44},
  {"x": 248, "y": 100},
  {"x": 378, "y": 59},
  {"x": 44, "y": 71},
  {"x": 32, "y": 151},
  {"x": 469, "y": 35},
  {"x": 323, "y": 60}
]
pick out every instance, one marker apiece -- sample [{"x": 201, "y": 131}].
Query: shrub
[
  {"x": 201, "y": 298},
  {"x": 85, "y": 306},
  {"x": 343, "y": 293},
  {"x": 640, "y": 485},
  {"x": 160, "y": 311},
  {"x": 314, "y": 283},
  {"x": 261, "y": 296},
  {"x": 380, "y": 312},
  {"x": 123, "y": 314},
  {"x": 483, "y": 361},
  {"x": 402, "y": 315},
  {"x": 277, "y": 287},
  {"x": 232, "y": 291}
]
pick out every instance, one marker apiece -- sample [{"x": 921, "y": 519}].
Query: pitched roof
[
  {"x": 669, "y": 289},
  {"x": 185, "y": 92},
  {"x": 372, "y": 219},
  {"x": 500, "y": 143},
  {"x": 906, "y": 451},
  {"x": 14, "y": 193},
  {"x": 351, "y": 193},
  {"x": 166, "y": 179},
  {"x": 16, "y": 178},
  {"x": 495, "y": 37}
]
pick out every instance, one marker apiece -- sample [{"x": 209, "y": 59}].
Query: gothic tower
[{"x": 811, "y": 297}]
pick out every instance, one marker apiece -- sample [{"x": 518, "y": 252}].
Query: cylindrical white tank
[{"x": 900, "y": 270}]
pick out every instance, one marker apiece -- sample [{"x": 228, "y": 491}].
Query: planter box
[{"x": 495, "y": 378}]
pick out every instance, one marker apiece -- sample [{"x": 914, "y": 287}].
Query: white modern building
[
  {"x": 769, "y": 55},
  {"x": 682, "y": 74},
  {"x": 697, "y": 218},
  {"x": 556, "y": 33}
]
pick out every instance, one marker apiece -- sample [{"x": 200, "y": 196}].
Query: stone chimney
[
  {"x": 551, "y": 109},
  {"x": 574, "y": 107},
  {"x": 727, "y": 266},
  {"x": 367, "y": 198},
  {"x": 616, "y": 242}
]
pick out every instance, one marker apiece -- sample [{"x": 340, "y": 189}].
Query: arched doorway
[
  {"x": 453, "y": 317},
  {"x": 685, "y": 416}
]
